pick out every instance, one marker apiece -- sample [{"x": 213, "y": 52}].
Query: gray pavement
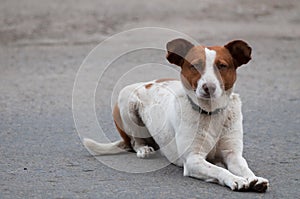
[{"x": 42, "y": 45}]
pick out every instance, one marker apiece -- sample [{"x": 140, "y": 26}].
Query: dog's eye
[{"x": 221, "y": 66}]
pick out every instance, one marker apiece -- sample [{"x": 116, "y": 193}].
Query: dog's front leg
[
  {"x": 196, "y": 166},
  {"x": 238, "y": 165},
  {"x": 231, "y": 148}
]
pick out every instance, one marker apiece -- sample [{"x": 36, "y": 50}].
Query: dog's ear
[
  {"x": 177, "y": 50},
  {"x": 240, "y": 51}
]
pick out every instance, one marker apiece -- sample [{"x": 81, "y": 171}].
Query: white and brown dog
[{"x": 195, "y": 122}]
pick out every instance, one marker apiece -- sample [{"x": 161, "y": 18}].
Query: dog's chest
[{"x": 168, "y": 114}]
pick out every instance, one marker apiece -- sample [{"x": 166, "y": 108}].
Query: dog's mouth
[
  {"x": 201, "y": 95},
  {"x": 205, "y": 96}
]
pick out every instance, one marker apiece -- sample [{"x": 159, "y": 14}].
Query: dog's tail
[{"x": 106, "y": 148}]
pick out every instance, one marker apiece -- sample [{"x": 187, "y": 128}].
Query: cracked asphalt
[{"x": 42, "y": 45}]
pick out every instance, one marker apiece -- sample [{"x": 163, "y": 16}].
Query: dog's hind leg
[
  {"x": 141, "y": 147},
  {"x": 140, "y": 138}
]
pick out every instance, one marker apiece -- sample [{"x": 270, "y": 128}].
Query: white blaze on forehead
[
  {"x": 209, "y": 75},
  {"x": 210, "y": 56}
]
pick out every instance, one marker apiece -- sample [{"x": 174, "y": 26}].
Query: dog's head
[{"x": 208, "y": 73}]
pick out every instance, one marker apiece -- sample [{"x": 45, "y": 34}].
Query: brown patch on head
[
  {"x": 177, "y": 50},
  {"x": 119, "y": 125},
  {"x": 191, "y": 59},
  {"x": 240, "y": 51},
  {"x": 147, "y": 86},
  {"x": 229, "y": 58},
  {"x": 193, "y": 66},
  {"x": 225, "y": 66}
]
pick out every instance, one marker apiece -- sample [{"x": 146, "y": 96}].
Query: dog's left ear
[
  {"x": 177, "y": 50},
  {"x": 240, "y": 51}
]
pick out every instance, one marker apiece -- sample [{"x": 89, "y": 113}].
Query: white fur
[
  {"x": 200, "y": 140},
  {"x": 102, "y": 149},
  {"x": 209, "y": 76},
  {"x": 185, "y": 137},
  {"x": 144, "y": 151}
]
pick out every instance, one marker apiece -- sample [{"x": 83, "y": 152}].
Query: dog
[{"x": 195, "y": 122}]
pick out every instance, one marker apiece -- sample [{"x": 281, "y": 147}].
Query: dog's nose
[{"x": 209, "y": 88}]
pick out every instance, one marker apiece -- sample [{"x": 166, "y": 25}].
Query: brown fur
[
  {"x": 165, "y": 80},
  {"x": 228, "y": 73},
  {"x": 192, "y": 67},
  {"x": 147, "y": 86},
  {"x": 119, "y": 125},
  {"x": 127, "y": 140},
  {"x": 232, "y": 55},
  {"x": 240, "y": 51}
]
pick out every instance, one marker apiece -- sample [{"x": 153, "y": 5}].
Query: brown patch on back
[
  {"x": 119, "y": 125},
  {"x": 165, "y": 80},
  {"x": 147, "y": 86},
  {"x": 228, "y": 73}
]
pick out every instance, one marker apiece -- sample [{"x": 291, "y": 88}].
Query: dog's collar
[{"x": 200, "y": 110}]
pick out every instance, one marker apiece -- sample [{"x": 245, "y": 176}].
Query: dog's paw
[
  {"x": 237, "y": 184},
  {"x": 144, "y": 151},
  {"x": 258, "y": 184}
]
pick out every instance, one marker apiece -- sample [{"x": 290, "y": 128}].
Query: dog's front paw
[
  {"x": 237, "y": 183},
  {"x": 144, "y": 151},
  {"x": 258, "y": 184}
]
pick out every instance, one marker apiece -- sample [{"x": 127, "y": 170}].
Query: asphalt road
[{"x": 42, "y": 45}]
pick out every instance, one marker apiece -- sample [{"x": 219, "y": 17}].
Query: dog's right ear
[{"x": 177, "y": 50}]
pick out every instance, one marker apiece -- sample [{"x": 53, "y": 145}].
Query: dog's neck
[
  {"x": 202, "y": 111},
  {"x": 208, "y": 106}
]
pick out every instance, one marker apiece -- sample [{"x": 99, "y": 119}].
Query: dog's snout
[{"x": 209, "y": 88}]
